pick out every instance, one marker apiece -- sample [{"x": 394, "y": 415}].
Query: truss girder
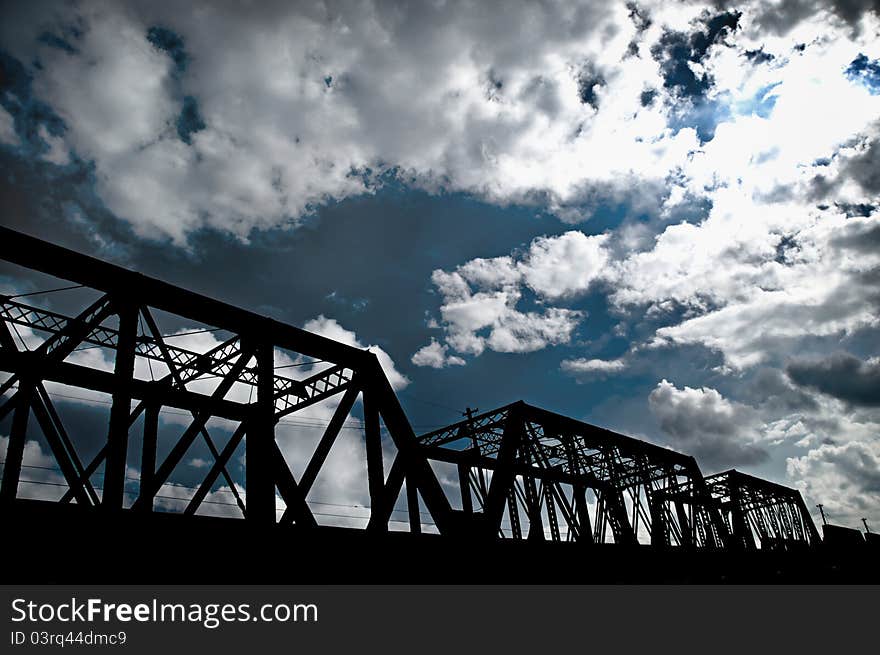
[
  {"x": 567, "y": 479},
  {"x": 762, "y": 514},
  {"x": 641, "y": 492},
  {"x": 335, "y": 373}
]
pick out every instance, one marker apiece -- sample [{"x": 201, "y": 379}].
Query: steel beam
[
  {"x": 260, "y": 442},
  {"x": 66, "y": 264},
  {"x": 17, "y": 438},
  {"x": 113, "y": 496}
]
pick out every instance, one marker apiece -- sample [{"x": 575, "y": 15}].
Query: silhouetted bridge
[{"x": 529, "y": 495}]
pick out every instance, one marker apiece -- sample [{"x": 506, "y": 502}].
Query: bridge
[{"x": 516, "y": 494}]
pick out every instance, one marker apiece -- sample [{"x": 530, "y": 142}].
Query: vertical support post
[
  {"x": 616, "y": 511},
  {"x": 585, "y": 531},
  {"x": 464, "y": 484},
  {"x": 117, "y": 436},
  {"x": 412, "y": 503},
  {"x": 17, "y": 437},
  {"x": 375, "y": 467},
  {"x": 742, "y": 536},
  {"x": 503, "y": 476},
  {"x": 659, "y": 529},
  {"x": 413, "y": 460},
  {"x": 259, "y": 469},
  {"x": 513, "y": 510},
  {"x": 601, "y": 529},
  {"x": 808, "y": 521},
  {"x": 536, "y": 522},
  {"x": 707, "y": 519},
  {"x": 687, "y": 537},
  {"x": 148, "y": 452},
  {"x": 550, "y": 502}
]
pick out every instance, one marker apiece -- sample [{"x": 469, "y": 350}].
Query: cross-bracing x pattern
[
  {"x": 121, "y": 321},
  {"x": 524, "y": 472},
  {"x": 762, "y": 514},
  {"x": 600, "y": 484}
]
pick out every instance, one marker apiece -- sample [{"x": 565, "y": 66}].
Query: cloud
[
  {"x": 774, "y": 392},
  {"x": 680, "y": 54},
  {"x": 561, "y": 266},
  {"x": 840, "y": 375},
  {"x": 701, "y": 422},
  {"x": 39, "y": 477},
  {"x": 7, "y": 128},
  {"x": 592, "y": 367},
  {"x": 864, "y": 164},
  {"x": 328, "y": 327},
  {"x": 481, "y": 297},
  {"x": 783, "y": 16},
  {"x": 843, "y": 477},
  {"x": 56, "y": 152},
  {"x": 184, "y": 135},
  {"x": 435, "y": 355},
  {"x": 751, "y": 305}
]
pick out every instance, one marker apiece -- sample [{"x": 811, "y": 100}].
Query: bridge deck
[{"x": 49, "y": 543}]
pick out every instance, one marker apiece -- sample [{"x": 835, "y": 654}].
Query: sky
[{"x": 656, "y": 217}]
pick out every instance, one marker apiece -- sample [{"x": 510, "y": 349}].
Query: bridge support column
[
  {"x": 115, "y": 465},
  {"x": 259, "y": 442},
  {"x": 17, "y": 437}
]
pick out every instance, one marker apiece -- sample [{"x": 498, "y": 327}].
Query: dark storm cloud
[
  {"x": 852, "y": 10},
  {"x": 865, "y": 167},
  {"x": 840, "y": 375},
  {"x": 861, "y": 237},
  {"x": 782, "y": 17},
  {"x": 773, "y": 391},
  {"x": 820, "y": 187}
]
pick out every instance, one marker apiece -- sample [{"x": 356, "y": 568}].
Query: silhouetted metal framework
[
  {"x": 525, "y": 472},
  {"x": 122, "y": 320},
  {"x": 762, "y": 515}
]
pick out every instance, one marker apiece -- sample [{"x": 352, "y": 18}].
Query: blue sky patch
[
  {"x": 171, "y": 43},
  {"x": 866, "y": 72}
]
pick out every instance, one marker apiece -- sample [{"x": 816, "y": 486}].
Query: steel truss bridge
[{"x": 520, "y": 483}]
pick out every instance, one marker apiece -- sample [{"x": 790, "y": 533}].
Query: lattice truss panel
[
  {"x": 762, "y": 515},
  {"x": 251, "y": 374},
  {"x": 240, "y": 380},
  {"x": 526, "y": 473}
]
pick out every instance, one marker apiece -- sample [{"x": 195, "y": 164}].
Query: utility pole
[
  {"x": 822, "y": 512},
  {"x": 469, "y": 414},
  {"x": 867, "y": 529}
]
